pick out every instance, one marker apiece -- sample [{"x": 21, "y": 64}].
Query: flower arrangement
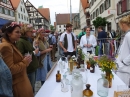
[
  {"x": 80, "y": 53},
  {"x": 107, "y": 65},
  {"x": 92, "y": 61}
]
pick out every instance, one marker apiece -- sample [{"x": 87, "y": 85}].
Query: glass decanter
[
  {"x": 102, "y": 86},
  {"x": 77, "y": 86},
  {"x": 68, "y": 75},
  {"x": 87, "y": 92},
  {"x": 64, "y": 84}
]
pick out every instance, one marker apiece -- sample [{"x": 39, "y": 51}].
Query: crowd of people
[{"x": 26, "y": 55}]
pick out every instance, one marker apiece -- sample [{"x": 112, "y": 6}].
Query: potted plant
[
  {"x": 92, "y": 65},
  {"x": 107, "y": 65}
]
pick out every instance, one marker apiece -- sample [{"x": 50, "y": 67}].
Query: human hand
[
  {"x": 89, "y": 45},
  {"x": 65, "y": 50},
  {"x": 85, "y": 45},
  {"x": 28, "y": 59},
  {"x": 36, "y": 51}
]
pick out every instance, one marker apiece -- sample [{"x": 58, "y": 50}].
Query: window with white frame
[
  {"x": 6, "y": 11},
  {"x": 1, "y": 11},
  {"x": 21, "y": 8},
  {"x": 21, "y": 16}
]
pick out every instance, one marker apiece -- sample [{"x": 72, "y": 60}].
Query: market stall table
[{"x": 53, "y": 89}]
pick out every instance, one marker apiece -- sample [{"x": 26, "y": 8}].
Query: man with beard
[{"x": 68, "y": 41}]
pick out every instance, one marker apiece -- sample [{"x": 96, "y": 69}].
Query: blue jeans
[
  {"x": 100, "y": 52},
  {"x": 32, "y": 78}
]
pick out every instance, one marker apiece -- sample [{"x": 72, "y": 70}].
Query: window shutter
[{"x": 123, "y": 6}]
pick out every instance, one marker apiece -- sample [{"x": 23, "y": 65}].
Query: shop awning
[{"x": 3, "y": 21}]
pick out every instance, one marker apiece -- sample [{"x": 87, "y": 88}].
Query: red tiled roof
[
  {"x": 64, "y": 18},
  {"x": 45, "y": 12},
  {"x": 15, "y": 3},
  {"x": 85, "y": 4}
]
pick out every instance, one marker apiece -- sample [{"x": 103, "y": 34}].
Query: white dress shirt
[
  {"x": 88, "y": 40},
  {"x": 69, "y": 38}
]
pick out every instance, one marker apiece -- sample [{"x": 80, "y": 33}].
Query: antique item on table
[
  {"x": 71, "y": 62},
  {"x": 102, "y": 86},
  {"x": 92, "y": 63},
  {"x": 82, "y": 69},
  {"x": 88, "y": 65},
  {"x": 64, "y": 84},
  {"x": 68, "y": 75},
  {"x": 76, "y": 86},
  {"x": 58, "y": 76},
  {"x": 87, "y": 92},
  {"x": 81, "y": 57},
  {"x": 107, "y": 65}
]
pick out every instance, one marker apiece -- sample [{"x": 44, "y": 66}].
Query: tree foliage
[
  {"x": 100, "y": 22},
  {"x": 52, "y": 27}
]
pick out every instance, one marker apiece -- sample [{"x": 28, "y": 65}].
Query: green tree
[
  {"x": 100, "y": 22},
  {"x": 52, "y": 27}
]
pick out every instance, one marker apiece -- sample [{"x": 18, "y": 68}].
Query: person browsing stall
[
  {"x": 68, "y": 41},
  {"x": 88, "y": 42}
]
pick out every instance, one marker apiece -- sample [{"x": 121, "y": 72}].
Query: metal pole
[
  {"x": 56, "y": 22},
  {"x": 70, "y": 12}
]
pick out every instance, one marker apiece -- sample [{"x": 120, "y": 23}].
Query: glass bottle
[
  {"x": 76, "y": 86},
  {"x": 68, "y": 75},
  {"x": 102, "y": 86},
  {"x": 64, "y": 84},
  {"x": 92, "y": 68},
  {"x": 71, "y": 65},
  {"x": 88, "y": 65},
  {"x": 82, "y": 68},
  {"x": 58, "y": 76},
  {"x": 87, "y": 92}
]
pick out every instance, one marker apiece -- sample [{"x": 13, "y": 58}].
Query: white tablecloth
[{"x": 53, "y": 89}]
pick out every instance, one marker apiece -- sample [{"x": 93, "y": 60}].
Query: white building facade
[
  {"x": 82, "y": 16},
  {"x": 6, "y": 12},
  {"x": 21, "y": 14},
  {"x": 103, "y": 8},
  {"x": 61, "y": 28}
]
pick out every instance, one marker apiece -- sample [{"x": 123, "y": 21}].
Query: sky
[{"x": 58, "y": 6}]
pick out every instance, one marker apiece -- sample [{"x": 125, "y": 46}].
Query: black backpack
[
  {"x": 50, "y": 40},
  {"x": 81, "y": 36}
]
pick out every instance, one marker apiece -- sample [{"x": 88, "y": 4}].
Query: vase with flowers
[
  {"x": 92, "y": 65},
  {"x": 107, "y": 65},
  {"x": 81, "y": 56},
  {"x": 88, "y": 56}
]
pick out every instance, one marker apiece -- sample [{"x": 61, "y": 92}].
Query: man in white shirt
[
  {"x": 88, "y": 42},
  {"x": 68, "y": 41}
]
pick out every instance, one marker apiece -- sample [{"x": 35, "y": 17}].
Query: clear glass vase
[
  {"x": 64, "y": 84},
  {"x": 77, "y": 86},
  {"x": 102, "y": 86}
]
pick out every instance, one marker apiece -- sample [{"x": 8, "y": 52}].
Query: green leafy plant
[
  {"x": 92, "y": 61},
  {"x": 100, "y": 22},
  {"x": 81, "y": 54}
]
